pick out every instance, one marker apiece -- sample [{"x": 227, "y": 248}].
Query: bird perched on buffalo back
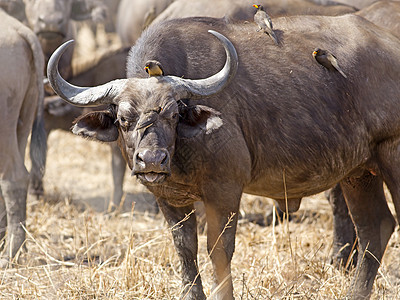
[
  {"x": 264, "y": 22},
  {"x": 328, "y": 60},
  {"x": 153, "y": 68}
]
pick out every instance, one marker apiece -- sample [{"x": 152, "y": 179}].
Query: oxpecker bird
[
  {"x": 328, "y": 60},
  {"x": 153, "y": 68},
  {"x": 264, "y": 22}
]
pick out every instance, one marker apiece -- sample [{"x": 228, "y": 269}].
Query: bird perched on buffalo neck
[
  {"x": 264, "y": 22},
  {"x": 153, "y": 68},
  {"x": 328, "y": 60}
]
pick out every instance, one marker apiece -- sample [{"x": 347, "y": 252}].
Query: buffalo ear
[
  {"x": 96, "y": 125},
  {"x": 197, "y": 119}
]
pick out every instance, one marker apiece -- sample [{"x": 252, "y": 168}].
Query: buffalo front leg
[
  {"x": 182, "y": 221},
  {"x": 222, "y": 215},
  {"x": 344, "y": 235},
  {"x": 14, "y": 194},
  {"x": 374, "y": 225}
]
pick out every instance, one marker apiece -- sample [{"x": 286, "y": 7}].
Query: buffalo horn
[
  {"x": 208, "y": 86},
  {"x": 80, "y": 96},
  {"x": 106, "y": 93}
]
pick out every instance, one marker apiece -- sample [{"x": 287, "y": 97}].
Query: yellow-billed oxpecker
[{"x": 263, "y": 20}]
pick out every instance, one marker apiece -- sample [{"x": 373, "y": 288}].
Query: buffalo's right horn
[
  {"x": 199, "y": 88},
  {"x": 88, "y": 96}
]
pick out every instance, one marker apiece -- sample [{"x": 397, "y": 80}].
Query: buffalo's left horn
[
  {"x": 208, "y": 86},
  {"x": 80, "y": 96}
]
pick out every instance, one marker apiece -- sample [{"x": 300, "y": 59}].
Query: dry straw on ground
[{"x": 76, "y": 251}]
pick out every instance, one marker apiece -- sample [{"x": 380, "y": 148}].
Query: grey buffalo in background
[
  {"x": 135, "y": 15},
  {"x": 51, "y": 21},
  {"x": 385, "y": 14},
  {"x": 272, "y": 122},
  {"x": 243, "y": 10},
  {"x": 21, "y": 99}
]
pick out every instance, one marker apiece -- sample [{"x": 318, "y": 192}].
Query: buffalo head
[
  {"x": 51, "y": 19},
  {"x": 146, "y": 115}
]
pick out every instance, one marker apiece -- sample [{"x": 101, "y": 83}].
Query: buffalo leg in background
[
  {"x": 344, "y": 235},
  {"x": 118, "y": 165},
  {"x": 374, "y": 225}
]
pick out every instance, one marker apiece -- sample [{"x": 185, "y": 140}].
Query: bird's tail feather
[
  {"x": 341, "y": 72},
  {"x": 274, "y": 38}
]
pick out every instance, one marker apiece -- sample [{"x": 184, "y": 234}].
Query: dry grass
[
  {"x": 83, "y": 254},
  {"x": 75, "y": 251}
]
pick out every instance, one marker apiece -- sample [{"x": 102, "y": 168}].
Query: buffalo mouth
[
  {"x": 51, "y": 35},
  {"x": 151, "y": 178}
]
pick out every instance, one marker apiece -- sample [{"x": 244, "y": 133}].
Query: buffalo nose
[
  {"x": 154, "y": 158},
  {"x": 49, "y": 21}
]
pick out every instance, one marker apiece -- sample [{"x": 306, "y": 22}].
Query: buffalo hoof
[
  {"x": 344, "y": 258},
  {"x": 36, "y": 190}
]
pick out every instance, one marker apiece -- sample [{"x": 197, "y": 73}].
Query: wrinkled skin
[
  {"x": 283, "y": 127},
  {"x": 21, "y": 95}
]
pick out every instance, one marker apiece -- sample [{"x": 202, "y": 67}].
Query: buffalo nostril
[
  {"x": 152, "y": 158},
  {"x": 163, "y": 159},
  {"x": 139, "y": 157}
]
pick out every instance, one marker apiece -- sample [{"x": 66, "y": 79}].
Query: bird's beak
[
  {"x": 255, "y": 5},
  {"x": 314, "y": 53},
  {"x": 146, "y": 68}
]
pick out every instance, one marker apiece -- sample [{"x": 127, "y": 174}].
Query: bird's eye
[{"x": 124, "y": 123}]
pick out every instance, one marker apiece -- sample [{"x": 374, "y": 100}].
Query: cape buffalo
[
  {"x": 21, "y": 87},
  {"x": 283, "y": 127}
]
